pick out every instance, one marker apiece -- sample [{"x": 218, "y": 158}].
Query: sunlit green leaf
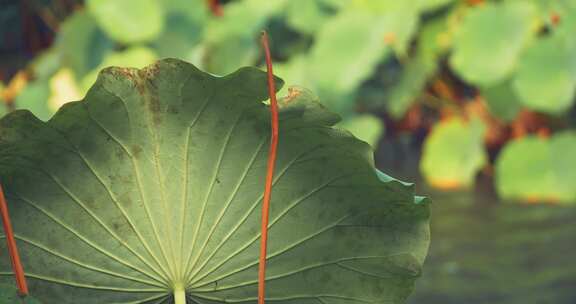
[
  {"x": 432, "y": 40},
  {"x": 348, "y": 49},
  {"x": 306, "y": 16},
  {"x": 294, "y": 72},
  {"x": 151, "y": 188},
  {"x": 63, "y": 89},
  {"x": 243, "y": 18},
  {"x": 545, "y": 80},
  {"x": 34, "y": 97},
  {"x": 47, "y": 63},
  {"x": 489, "y": 41},
  {"x": 226, "y": 56},
  {"x": 454, "y": 153},
  {"x": 366, "y": 127},
  {"x": 433, "y": 4},
  {"x": 345, "y": 53},
  {"x": 538, "y": 169},
  {"x": 231, "y": 41},
  {"x": 128, "y": 21},
  {"x": 399, "y": 19},
  {"x": 180, "y": 36}
]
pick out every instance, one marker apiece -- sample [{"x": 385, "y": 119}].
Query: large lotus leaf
[
  {"x": 9, "y": 295},
  {"x": 454, "y": 153},
  {"x": 546, "y": 76},
  {"x": 152, "y": 186},
  {"x": 537, "y": 169},
  {"x": 489, "y": 41}
]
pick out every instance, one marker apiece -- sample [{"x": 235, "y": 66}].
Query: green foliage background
[{"x": 376, "y": 58}]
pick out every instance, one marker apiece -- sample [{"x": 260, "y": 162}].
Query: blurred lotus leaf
[
  {"x": 128, "y": 21},
  {"x": 81, "y": 45},
  {"x": 454, "y": 153},
  {"x": 538, "y": 169},
  {"x": 306, "y": 16},
  {"x": 366, "y": 127},
  {"x": 134, "y": 57},
  {"x": 412, "y": 82},
  {"x": 365, "y": 38},
  {"x": 546, "y": 78},
  {"x": 63, "y": 89},
  {"x": 34, "y": 97},
  {"x": 490, "y": 39},
  {"x": 230, "y": 40}
]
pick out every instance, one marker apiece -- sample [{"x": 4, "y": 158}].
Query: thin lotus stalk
[
  {"x": 269, "y": 172},
  {"x": 12, "y": 248},
  {"x": 180, "y": 295}
]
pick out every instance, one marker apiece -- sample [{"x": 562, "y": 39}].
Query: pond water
[{"x": 487, "y": 251}]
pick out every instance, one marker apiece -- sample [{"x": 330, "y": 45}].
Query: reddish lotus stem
[
  {"x": 269, "y": 172},
  {"x": 215, "y": 7},
  {"x": 12, "y": 249}
]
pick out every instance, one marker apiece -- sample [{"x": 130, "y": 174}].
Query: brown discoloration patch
[
  {"x": 293, "y": 93},
  {"x": 173, "y": 109},
  {"x": 126, "y": 72},
  {"x": 147, "y": 88},
  {"x": 136, "y": 150}
]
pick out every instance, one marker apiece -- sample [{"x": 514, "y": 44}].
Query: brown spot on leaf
[
  {"x": 173, "y": 109},
  {"x": 293, "y": 93},
  {"x": 126, "y": 72},
  {"x": 136, "y": 150}
]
